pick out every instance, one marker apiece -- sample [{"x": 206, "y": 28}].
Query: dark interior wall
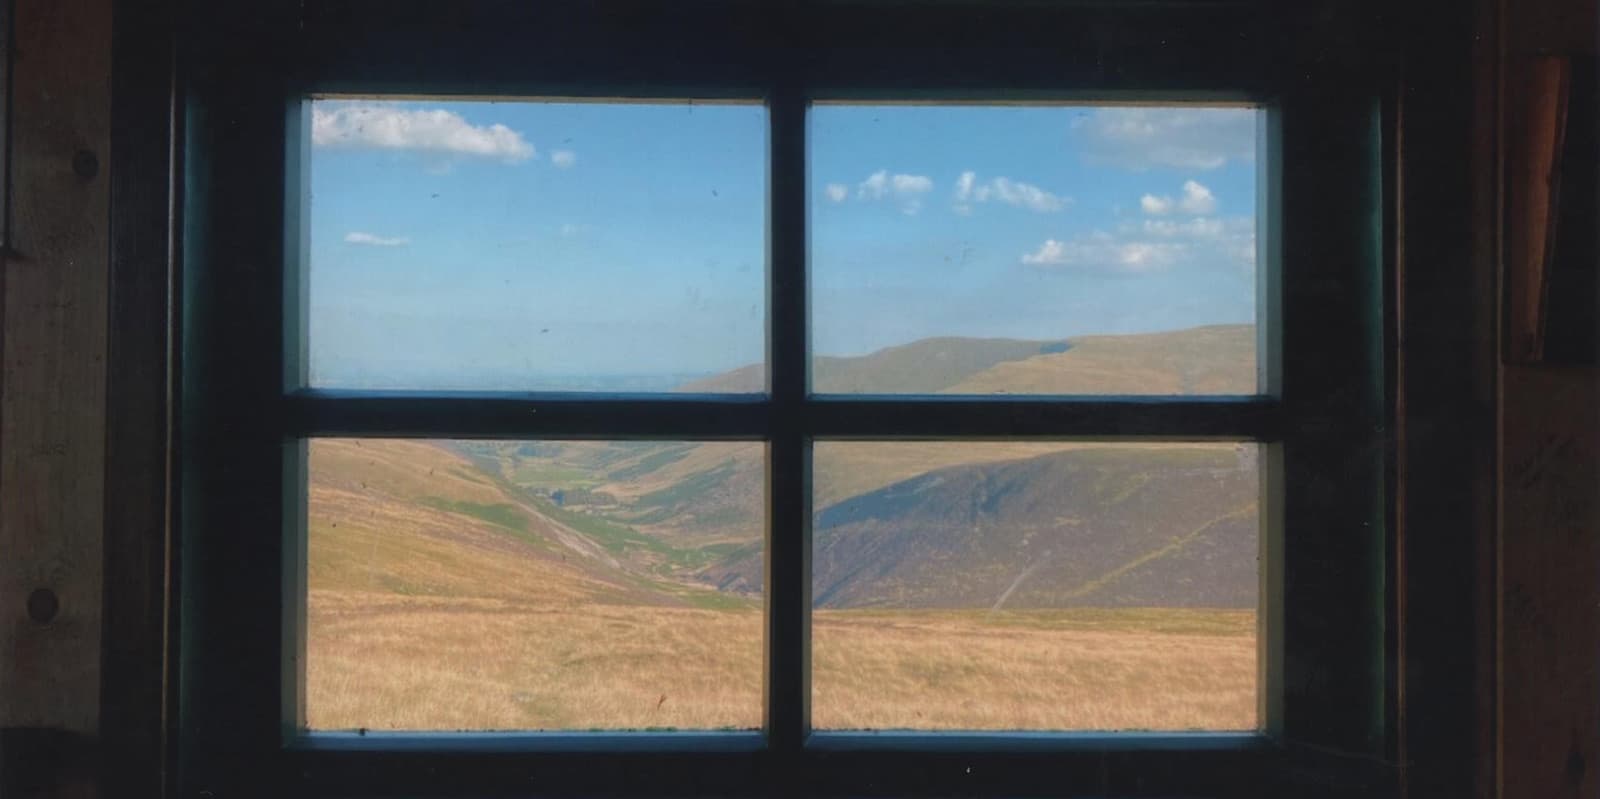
[
  {"x": 1497, "y": 587},
  {"x": 1549, "y": 493}
]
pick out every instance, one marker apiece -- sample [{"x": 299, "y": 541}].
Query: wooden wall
[
  {"x": 52, "y": 395},
  {"x": 1549, "y": 491}
]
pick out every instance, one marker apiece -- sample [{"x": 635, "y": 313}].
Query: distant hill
[
  {"x": 1216, "y": 359},
  {"x": 1172, "y": 527},
  {"x": 417, "y": 519},
  {"x": 921, "y": 367},
  {"x": 907, "y": 524},
  {"x": 1219, "y": 359}
]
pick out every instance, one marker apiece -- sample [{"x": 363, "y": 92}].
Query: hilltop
[{"x": 1215, "y": 359}]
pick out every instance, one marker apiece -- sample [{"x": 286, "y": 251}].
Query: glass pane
[
  {"x": 1033, "y": 250},
  {"x": 536, "y": 585},
  {"x": 536, "y": 245},
  {"x": 1012, "y": 586}
]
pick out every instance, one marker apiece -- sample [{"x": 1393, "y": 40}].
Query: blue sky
[{"x": 544, "y": 245}]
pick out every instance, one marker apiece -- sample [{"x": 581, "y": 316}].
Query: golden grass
[
  {"x": 1034, "y": 670},
  {"x": 390, "y": 663},
  {"x": 382, "y": 661},
  {"x": 1218, "y": 359}
]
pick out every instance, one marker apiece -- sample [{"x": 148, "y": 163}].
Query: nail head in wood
[
  {"x": 43, "y": 605},
  {"x": 85, "y": 164}
]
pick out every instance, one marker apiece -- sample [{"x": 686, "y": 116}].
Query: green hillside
[
  {"x": 418, "y": 519},
  {"x": 683, "y": 522},
  {"x": 1217, "y": 359}
]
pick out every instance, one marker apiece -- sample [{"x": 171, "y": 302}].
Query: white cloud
[
  {"x": 370, "y": 240},
  {"x": 563, "y": 158},
  {"x": 1211, "y": 244},
  {"x": 1186, "y": 138},
  {"x": 570, "y": 229},
  {"x": 1199, "y": 227},
  {"x": 1154, "y": 205},
  {"x": 374, "y": 126},
  {"x": 1197, "y": 199},
  {"x": 907, "y": 190},
  {"x": 838, "y": 192},
  {"x": 964, "y": 185},
  {"x": 1103, "y": 251},
  {"x": 874, "y": 187},
  {"x": 1004, "y": 190},
  {"x": 912, "y": 184}
]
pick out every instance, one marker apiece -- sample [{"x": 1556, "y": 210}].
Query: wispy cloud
[
  {"x": 907, "y": 190},
  {"x": 837, "y": 192},
  {"x": 370, "y": 240},
  {"x": 1196, "y": 200},
  {"x": 383, "y": 126},
  {"x": 1156, "y": 244},
  {"x": 1155, "y": 206},
  {"x": 1004, "y": 190},
  {"x": 563, "y": 159},
  {"x": 1186, "y": 138},
  {"x": 1103, "y": 251}
]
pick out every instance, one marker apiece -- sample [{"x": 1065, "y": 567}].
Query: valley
[{"x": 618, "y": 584}]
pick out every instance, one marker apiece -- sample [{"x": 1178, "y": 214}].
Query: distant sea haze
[{"x": 503, "y": 381}]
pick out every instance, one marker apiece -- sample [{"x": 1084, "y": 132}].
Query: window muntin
[
  {"x": 535, "y": 246},
  {"x": 1326, "y": 678},
  {"x": 1013, "y": 249},
  {"x": 1126, "y": 364},
  {"x": 456, "y": 585}
]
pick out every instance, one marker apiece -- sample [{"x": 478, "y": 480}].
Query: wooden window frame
[{"x": 1327, "y": 676}]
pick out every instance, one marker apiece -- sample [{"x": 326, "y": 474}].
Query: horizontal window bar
[
  {"x": 511, "y": 415},
  {"x": 980, "y": 742},
  {"x": 615, "y": 742},
  {"x": 1085, "y": 765},
  {"x": 363, "y": 46},
  {"x": 739, "y": 416},
  {"x": 1170, "y": 419}
]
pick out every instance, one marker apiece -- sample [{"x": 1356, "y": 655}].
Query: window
[{"x": 725, "y": 419}]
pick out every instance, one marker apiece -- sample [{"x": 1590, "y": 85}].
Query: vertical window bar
[{"x": 788, "y": 583}]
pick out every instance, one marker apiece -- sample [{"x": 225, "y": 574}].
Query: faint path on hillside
[
  {"x": 1006, "y": 594},
  {"x": 1173, "y": 546}
]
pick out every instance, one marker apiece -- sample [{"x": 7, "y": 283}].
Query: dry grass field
[
  {"x": 440, "y": 599},
  {"x": 382, "y": 661}
]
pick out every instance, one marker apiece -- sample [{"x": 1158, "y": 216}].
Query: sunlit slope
[
  {"x": 1218, "y": 359},
  {"x": 1171, "y": 527},
  {"x": 1215, "y": 359},
  {"x": 416, "y": 519},
  {"x": 924, "y": 366}
]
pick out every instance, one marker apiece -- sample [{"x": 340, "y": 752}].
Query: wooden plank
[
  {"x": 1550, "y": 573},
  {"x": 52, "y": 401}
]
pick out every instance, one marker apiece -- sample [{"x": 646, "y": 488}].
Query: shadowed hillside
[{"x": 1171, "y": 527}]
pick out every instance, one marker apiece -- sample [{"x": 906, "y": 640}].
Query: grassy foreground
[{"x": 386, "y": 661}]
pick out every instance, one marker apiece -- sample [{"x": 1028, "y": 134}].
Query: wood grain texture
[
  {"x": 1550, "y": 572},
  {"x": 52, "y": 392}
]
